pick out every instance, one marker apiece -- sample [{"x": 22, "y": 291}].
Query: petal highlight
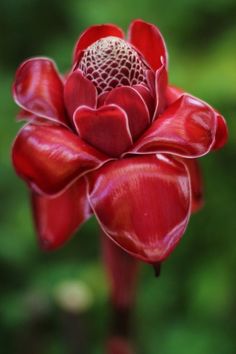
[
  {"x": 149, "y": 41},
  {"x": 49, "y": 157},
  {"x": 142, "y": 204},
  {"x": 38, "y": 89},
  {"x": 57, "y": 218},
  {"x": 105, "y": 128},
  {"x": 187, "y": 128}
]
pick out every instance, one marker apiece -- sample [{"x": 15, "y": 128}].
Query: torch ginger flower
[{"x": 113, "y": 138}]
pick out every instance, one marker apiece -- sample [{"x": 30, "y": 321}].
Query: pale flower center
[{"x": 112, "y": 62}]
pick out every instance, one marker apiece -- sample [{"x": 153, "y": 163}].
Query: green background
[{"x": 191, "y": 308}]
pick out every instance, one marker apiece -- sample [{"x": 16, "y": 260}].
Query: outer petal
[
  {"x": 149, "y": 41},
  {"x": 38, "y": 89},
  {"x": 79, "y": 91},
  {"x": 173, "y": 93},
  {"x": 187, "y": 128},
  {"x": 196, "y": 183},
  {"x": 221, "y": 133},
  {"x": 94, "y": 33},
  {"x": 142, "y": 204},
  {"x": 25, "y": 115},
  {"x": 57, "y": 218},
  {"x": 49, "y": 157},
  {"x": 105, "y": 128},
  {"x": 133, "y": 104}
]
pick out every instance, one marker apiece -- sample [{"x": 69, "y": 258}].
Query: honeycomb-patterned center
[{"x": 112, "y": 62}]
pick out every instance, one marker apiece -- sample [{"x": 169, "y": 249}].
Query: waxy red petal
[
  {"x": 38, "y": 89},
  {"x": 49, "y": 157},
  {"x": 93, "y": 34},
  {"x": 187, "y": 128},
  {"x": 221, "y": 133},
  {"x": 101, "y": 99},
  {"x": 122, "y": 271},
  {"x": 79, "y": 91},
  {"x": 149, "y": 41},
  {"x": 25, "y": 115},
  {"x": 147, "y": 97},
  {"x": 173, "y": 93},
  {"x": 142, "y": 204},
  {"x": 196, "y": 183},
  {"x": 133, "y": 104},
  {"x": 161, "y": 81},
  {"x": 105, "y": 128},
  {"x": 57, "y": 218}
]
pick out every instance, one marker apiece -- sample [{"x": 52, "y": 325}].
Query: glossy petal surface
[
  {"x": 161, "y": 80},
  {"x": 38, "y": 89},
  {"x": 133, "y": 104},
  {"x": 105, "y": 128},
  {"x": 57, "y": 218},
  {"x": 196, "y": 183},
  {"x": 173, "y": 93},
  {"x": 79, "y": 91},
  {"x": 147, "y": 97},
  {"x": 187, "y": 128},
  {"x": 94, "y": 33},
  {"x": 49, "y": 157},
  {"x": 221, "y": 133},
  {"x": 149, "y": 41},
  {"x": 142, "y": 204}
]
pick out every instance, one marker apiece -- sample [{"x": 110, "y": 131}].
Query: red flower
[{"x": 113, "y": 138}]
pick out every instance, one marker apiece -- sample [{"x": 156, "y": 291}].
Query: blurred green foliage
[{"x": 191, "y": 308}]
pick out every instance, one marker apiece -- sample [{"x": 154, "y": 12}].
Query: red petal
[
  {"x": 79, "y": 91},
  {"x": 101, "y": 99},
  {"x": 142, "y": 204},
  {"x": 25, "y": 115},
  {"x": 151, "y": 82},
  {"x": 38, "y": 89},
  {"x": 173, "y": 93},
  {"x": 196, "y": 183},
  {"x": 161, "y": 80},
  {"x": 149, "y": 41},
  {"x": 105, "y": 128},
  {"x": 122, "y": 271},
  {"x": 133, "y": 104},
  {"x": 187, "y": 128},
  {"x": 94, "y": 33},
  {"x": 147, "y": 97},
  {"x": 49, "y": 157},
  {"x": 57, "y": 218},
  {"x": 221, "y": 133}
]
